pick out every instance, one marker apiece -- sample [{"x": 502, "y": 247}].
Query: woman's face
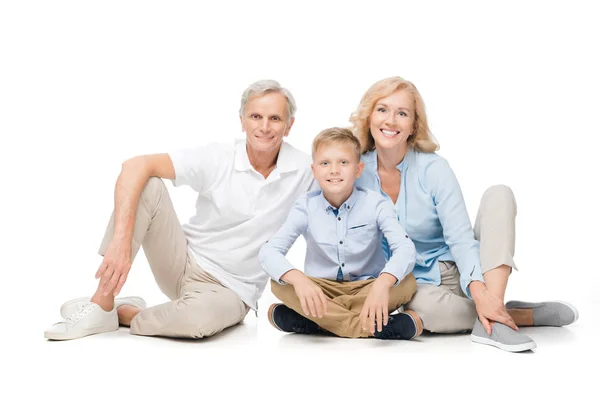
[{"x": 392, "y": 119}]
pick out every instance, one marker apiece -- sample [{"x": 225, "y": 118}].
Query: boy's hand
[
  {"x": 312, "y": 299},
  {"x": 376, "y": 304}
]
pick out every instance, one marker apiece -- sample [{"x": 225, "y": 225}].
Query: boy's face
[{"x": 336, "y": 167}]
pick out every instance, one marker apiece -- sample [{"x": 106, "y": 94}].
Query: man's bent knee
[{"x": 153, "y": 186}]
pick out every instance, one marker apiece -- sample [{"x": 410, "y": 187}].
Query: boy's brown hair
[{"x": 336, "y": 135}]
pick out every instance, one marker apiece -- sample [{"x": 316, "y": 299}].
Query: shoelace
[
  {"x": 83, "y": 310},
  {"x": 386, "y": 332}
]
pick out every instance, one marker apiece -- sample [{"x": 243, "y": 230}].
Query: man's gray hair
[{"x": 266, "y": 86}]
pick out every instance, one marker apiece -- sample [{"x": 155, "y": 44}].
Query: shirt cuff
[
  {"x": 466, "y": 280},
  {"x": 395, "y": 275},
  {"x": 278, "y": 280}
]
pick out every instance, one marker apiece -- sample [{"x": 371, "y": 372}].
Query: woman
[{"x": 461, "y": 273}]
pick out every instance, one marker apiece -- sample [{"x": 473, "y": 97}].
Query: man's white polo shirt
[{"x": 237, "y": 209}]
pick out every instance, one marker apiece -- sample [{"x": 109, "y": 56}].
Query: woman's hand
[{"x": 490, "y": 307}]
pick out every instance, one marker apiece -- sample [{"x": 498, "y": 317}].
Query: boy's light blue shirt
[
  {"x": 349, "y": 242},
  {"x": 430, "y": 198}
]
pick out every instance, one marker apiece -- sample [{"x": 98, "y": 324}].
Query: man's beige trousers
[{"x": 200, "y": 306}]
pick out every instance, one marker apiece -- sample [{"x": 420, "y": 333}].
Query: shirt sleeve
[
  {"x": 456, "y": 225},
  {"x": 403, "y": 253},
  {"x": 198, "y": 167},
  {"x": 272, "y": 254}
]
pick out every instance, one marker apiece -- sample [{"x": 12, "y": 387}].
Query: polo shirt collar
[{"x": 286, "y": 162}]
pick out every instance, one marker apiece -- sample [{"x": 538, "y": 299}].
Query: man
[{"x": 209, "y": 267}]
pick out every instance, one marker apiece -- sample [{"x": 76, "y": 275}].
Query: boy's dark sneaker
[
  {"x": 287, "y": 320},
  {"x": 402, "y": 326}
]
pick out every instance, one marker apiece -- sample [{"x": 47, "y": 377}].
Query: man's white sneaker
[
  {"x": 71, "y": 306},
  {"x": 89, "y": 319}
]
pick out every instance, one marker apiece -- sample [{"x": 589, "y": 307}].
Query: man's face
[{"x": 265, "y": 122}]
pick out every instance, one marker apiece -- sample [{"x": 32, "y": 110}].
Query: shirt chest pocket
[{"x": 361, "y": 233}]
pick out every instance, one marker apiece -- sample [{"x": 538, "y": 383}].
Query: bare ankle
[
  {"x": 126, "y": 313},
  {"x": 107, "y": 303},
  {"x": 521, "y": 316}
]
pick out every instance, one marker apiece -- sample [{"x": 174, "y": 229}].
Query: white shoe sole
[
  {"x": 70, "y": 306},
  {"x": 513, "y": 348},
  {"x": 80, "y": 333}
]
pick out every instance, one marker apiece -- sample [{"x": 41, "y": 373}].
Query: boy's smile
[{"x": 336, "y": 167}]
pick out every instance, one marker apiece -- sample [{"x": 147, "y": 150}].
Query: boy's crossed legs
[{"x": 345, "y": 301}]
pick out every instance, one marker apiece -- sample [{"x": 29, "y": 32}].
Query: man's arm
[{"x": 134, "y": 175}]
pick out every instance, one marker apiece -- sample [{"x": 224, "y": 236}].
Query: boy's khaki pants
[{"x": 345, "y": 302}]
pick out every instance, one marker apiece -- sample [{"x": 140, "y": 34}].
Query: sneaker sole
[
  {"x": 70, "y": 306},
  {"x": 84, "y": 333},
  {"x": 270, "y": 316},
  {"x": 524, "y": 304},
  {"x": 513, "y": 348}
]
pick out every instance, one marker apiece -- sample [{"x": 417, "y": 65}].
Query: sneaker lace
[
  {"x": 387, "y": 332},
  {"x": 81, "y": 312}
]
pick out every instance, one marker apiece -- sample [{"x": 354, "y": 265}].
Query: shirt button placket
[{"x": 342, "y": 231}]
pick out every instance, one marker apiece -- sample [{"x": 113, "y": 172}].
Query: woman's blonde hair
[{"x": 421, "y": 139}]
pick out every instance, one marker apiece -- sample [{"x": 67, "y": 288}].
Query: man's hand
[
  {"x": 312, "y": 299},
  {"x": 376, "y": 305},
  {"x": 115, "y": 266},
  {"x": 489, "y": 307}
]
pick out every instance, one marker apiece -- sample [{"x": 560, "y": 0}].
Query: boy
[{"x": 348, "y": 287}]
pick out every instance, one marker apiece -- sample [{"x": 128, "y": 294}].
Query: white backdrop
[{"x": 511, "y": 90}]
